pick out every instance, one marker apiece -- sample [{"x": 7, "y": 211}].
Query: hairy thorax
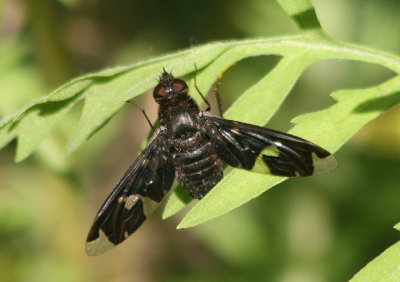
[{"x": 198, "y": 168}]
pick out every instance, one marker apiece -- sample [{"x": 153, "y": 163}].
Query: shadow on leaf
[{"x": 378, "y": 104}]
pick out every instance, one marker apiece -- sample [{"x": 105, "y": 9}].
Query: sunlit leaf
[
  {"x": 330, "y": 128},
  {"x": 105, "y": 92},
  {"x": 385, "y": 267}
]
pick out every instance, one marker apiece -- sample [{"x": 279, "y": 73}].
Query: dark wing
[
  {"x": 135, "y": 196},
  {"x": 265, "y": 150}
]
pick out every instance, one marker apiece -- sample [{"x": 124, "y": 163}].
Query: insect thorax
[{"x": 198, "y": 168}]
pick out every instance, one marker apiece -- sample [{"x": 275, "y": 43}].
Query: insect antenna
[
  {"x": 144, "y": 113},
  {"x": 198, "y": 90}
]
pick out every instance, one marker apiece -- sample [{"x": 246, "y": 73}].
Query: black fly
[{"x": 191, "y": 146}]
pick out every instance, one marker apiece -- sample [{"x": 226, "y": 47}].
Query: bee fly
[{"x": 191, "y": 145}]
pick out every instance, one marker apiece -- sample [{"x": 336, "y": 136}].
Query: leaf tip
[{"x": 184, "y": 225}]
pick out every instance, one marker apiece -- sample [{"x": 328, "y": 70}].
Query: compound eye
[
  {"x": 179, "y": 86},
  {"x": 159, "y": 92}
]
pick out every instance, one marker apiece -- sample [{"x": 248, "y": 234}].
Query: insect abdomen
[{"x": 198, "y": 169}]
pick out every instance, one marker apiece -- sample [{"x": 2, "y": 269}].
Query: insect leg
[
  {"x": 216, "y": 89},
  {"x": 218, "y": 94},
  {"x": 144, "y": 113},
  {"x": 198, "y": 90}
]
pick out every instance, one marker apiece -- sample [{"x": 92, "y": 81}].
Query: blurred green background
[{"x": 318, "y": 229}]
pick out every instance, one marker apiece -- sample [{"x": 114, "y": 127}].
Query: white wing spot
[
  {"x": 99, "y": 246},
  {"x": 324, "y": 165},
  {"x": 131, "y": 201}
]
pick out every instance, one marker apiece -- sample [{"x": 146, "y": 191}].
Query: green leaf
[
  {"x": 70, "y": 90},
  {"x": 302, "y": 12},
  {"x": 261, "y": 101},
  {"x": 329, "y": 128},
  {"x": 38, "y": 123},
  {"x": 105, "y": 92},
  {"x": 7, "y": 134},
  {"x": 176, "y": 201},
  {"x": 105, "y": 98},
  {"x": 255, "y": 106},
  {"x": 294, "y": 7},
  {"x": 385, "y": 267}
]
